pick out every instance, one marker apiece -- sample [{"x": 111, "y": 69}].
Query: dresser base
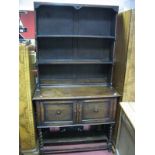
[{"x": 75, "y": 139}]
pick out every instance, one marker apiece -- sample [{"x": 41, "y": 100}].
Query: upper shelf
[
  {"x": 66, "y": 20},
  {"x": 73, "y": 61},
  {"x": 76, "y": 36}
]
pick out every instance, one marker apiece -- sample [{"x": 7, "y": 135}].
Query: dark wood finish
[
  {"x": 98, "y": 110},
  {"x": 74, "y": 148},
  {"x": 61, "y": 113},
  {"x": 63, "y": 48},
  {"x": 75, "y": 92},
  {"x": 110, "y": 138},
  {"x": 69, "y": 81},
  {"x": 75, "y": 71},
  {"x": 67, "y": 19},
  {"x": 71, "y": 61},
  {"x": 56, "y": 113},
  {"x": 40, "y": 140},
  {"x": 75, "y": 64},
  {"x": 76, "y": 36},
  {"x": 76, "y": 140},
  {"x": 76, "y": 41}
]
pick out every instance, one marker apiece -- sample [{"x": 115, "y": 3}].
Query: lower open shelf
[
  {"x": 79, "y": 134},
  {"x": 74, "y": 148},
  {"x": 75, "y": 139}
]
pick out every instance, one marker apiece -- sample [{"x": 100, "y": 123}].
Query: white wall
[{"x": 123, "y": 4}]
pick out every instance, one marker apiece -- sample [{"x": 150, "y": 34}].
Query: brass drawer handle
[{"x": 58, "y": 112}]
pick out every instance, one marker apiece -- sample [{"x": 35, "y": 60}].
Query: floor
[{"x": 90, "y": 153}]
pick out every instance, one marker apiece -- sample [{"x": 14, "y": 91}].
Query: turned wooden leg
[
  {"x": 110, "y": 138},
  {"x": 40, "y": 140}
]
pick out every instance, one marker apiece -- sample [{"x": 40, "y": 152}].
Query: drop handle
[{"x": 58, "y": 112}]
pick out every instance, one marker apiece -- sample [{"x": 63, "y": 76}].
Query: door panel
[{"x": 98, "y": 110}]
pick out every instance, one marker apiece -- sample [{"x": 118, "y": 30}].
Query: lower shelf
[
  {"x": 74, "y": 140},
  {"x": 70, "y": 135},
  {"x": 74, "y": 148}
]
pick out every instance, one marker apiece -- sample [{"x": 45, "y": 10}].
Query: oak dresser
[{"x": 74, "y": 101}]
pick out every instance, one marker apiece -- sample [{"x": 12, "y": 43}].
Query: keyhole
[{"x": 58, "y": 112}]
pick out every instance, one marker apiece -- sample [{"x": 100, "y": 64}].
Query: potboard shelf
[
  {"x": 57, "y": 149},
  {"x": 69, "y": 140}
]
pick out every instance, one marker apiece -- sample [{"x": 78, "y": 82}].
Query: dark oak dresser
[{"x": 75, "y": 102}]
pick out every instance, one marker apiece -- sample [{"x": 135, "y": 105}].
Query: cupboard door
[
  {"x": 55, "y": 113},
  {"x": 94, "y": 111}
]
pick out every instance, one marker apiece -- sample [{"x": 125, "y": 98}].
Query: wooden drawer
[
  {"x": 94, "y": 111},
  {"x": 53, "y": 113}
]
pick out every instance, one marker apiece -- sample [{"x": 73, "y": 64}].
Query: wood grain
[
  {"x": 26, "y": 89},
  {"x": 123, "y": 75},
  {"x": 129, "y": 84},
  {"x": 74, "y": 92}
]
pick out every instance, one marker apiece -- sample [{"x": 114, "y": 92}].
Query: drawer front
[
  {"x": 56, "y": 113},
  {"x": 98, "y": 110}
]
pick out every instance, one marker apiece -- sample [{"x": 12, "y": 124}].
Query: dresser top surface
[{"x": 74, "y": 92}]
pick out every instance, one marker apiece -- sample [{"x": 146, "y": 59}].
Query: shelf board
[
  {"x": 76, "y": 36},
  {"x": 81, "y": 81},
  {"x": 58, "y": 149},
  {"x": 71, "y": 61},
  {"x": 69, "y": 140},
  {"x": 74, "y": 92}
]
